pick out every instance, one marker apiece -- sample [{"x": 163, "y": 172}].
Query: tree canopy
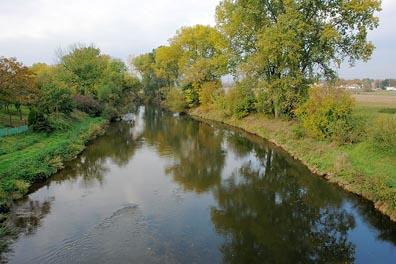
[{"x": 285, "y": 45}]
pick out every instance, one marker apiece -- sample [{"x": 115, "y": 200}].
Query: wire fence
[{"x": 9, "y": 131}]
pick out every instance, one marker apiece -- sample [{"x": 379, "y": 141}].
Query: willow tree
[{"x": 285, "y": 45}]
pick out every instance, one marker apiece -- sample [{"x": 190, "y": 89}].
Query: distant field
[{"x": 376, "y": 99}]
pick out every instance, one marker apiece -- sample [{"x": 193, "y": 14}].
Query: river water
[{"x": 168, "y": 189}]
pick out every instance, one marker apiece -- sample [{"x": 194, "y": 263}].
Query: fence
[{"x": 9, "y": 131}]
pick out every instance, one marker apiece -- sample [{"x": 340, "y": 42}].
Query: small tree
[{"x": 17, "y": 85}]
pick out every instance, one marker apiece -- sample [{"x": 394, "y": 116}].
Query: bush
[
  {"x": 175, "y": 100},
  {"x": 190, "y": 96},
  {"x": 383, "y": 133},
  {"x": 110, "y": 112},
  {"x": 207, "y": 92},
  {"x": 240, "y": 101},
  {"x": 327, "y": 114},
  {"x": 37, "y": 121},
  {"x": 59, "y": 121},
  {"x": 298, "y": 132},
  {"x": 88, "y": 105},
  {"x": 263, "y": 103}
]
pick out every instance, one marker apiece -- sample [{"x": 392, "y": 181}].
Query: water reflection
[
  {"x": 262, "y": 206},
  {"x": 198, "y": 157}
]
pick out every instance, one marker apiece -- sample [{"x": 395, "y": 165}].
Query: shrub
[
  {"x": 298, "y": 132},
  {"x": 327, "y": 114},
  {"x": 37, "y": 121},
  {"x": 110, "y": 112},
  {"x": 88, "y": 105},
  {"x": 263, "y": 103},
  {"x": 240, "y": 101},
  {"x": 383, "y": 133},
  {"x": 175, "y": 100},
  {"x": 207, "y": 92},
  {"x": 190, "y": 96},
  {"x": 220, "y": 104},
  {"x": 59, "y": 121}
]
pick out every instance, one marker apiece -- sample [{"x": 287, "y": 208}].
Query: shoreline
[
  {"x": 74, "y": 147},
  {"x": 356, "y": 184},
  {"x": 66, "y": 147}
]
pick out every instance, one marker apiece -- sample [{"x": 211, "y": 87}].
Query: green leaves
[{"x": 287, "y": 45}]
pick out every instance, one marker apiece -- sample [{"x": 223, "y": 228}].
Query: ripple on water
[{"x": 123, "y": 237}]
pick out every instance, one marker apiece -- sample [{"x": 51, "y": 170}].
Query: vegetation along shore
[
  {"x": 63, "y": 105},
  {"x": 361, "y": 168},
  {"x": 282, "y": 59},
  {"x": 285, "y": 86}
]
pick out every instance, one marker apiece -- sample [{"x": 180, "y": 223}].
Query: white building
[
  {"x": 352, "y": 86},
  {"x": 390, "y": 88}
]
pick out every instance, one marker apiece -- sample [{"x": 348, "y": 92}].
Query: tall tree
[
  {"x": 284, "y": 45},
  {"x": 202, "y": 58},
  {"x": 151, "y": 81},
  {"x": 82, "y": 68}
]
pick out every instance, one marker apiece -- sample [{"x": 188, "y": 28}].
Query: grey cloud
[{"x": 32, "y": 30}]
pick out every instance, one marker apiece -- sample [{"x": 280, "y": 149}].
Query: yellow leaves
[
  {"x": 361, "y": 6},
  {"x": 201, "y": 53}
]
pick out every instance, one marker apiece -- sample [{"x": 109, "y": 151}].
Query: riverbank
[
  {"x": 29, "y": 157},
  {"x": 358, "y": 168}
]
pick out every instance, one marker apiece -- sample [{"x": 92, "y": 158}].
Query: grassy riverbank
[
  {"x": 29, "y": 157},
  {"x": 360, "y": 168}
]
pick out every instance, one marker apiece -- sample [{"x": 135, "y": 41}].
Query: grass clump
[{"x": 383, "y": 133}]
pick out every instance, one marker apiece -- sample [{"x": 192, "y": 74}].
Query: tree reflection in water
[
  {"x": 198, "y": 158},
  {"x": 267, "y": 219},
  {"x": 271, "y": 208},
  {"x": 268, "y": 208},
  {"x": 88, "y": 169}
]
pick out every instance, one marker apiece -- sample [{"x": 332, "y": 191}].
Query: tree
[
  {"x": 285, "y": 45},
  {"x": 166, "y": 64},
  {"x": 116, "y": 88},
  {"x": 82, "y": 68},
  {"x": 17, "y": 84},
  {"x": 151, "y": 81},
  {"x": 202, "y": 58}
]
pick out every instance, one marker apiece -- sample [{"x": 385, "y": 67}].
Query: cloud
[
  {"x": 383, "y": 62},
  {"x": 32, "y": 30}
]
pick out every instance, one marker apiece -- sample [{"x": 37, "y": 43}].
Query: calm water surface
[{"x": 168, "y": 189}]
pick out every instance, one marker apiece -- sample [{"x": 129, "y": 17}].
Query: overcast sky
[{"x": 32, "y": 30}]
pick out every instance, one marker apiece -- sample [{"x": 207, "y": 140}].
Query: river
[{"x": 169, "y": 189}]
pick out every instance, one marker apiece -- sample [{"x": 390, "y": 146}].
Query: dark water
[{"x": 172, "y": 190}]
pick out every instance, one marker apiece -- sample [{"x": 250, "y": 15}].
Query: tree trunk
[{"x": 9, "y": 115}]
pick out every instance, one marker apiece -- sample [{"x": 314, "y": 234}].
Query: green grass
[
  {"x": 29, "y": 157},
  {"x": 361, "y": 168}
]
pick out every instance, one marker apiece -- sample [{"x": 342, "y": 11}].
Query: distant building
[
  {"x": 390, "y": 88},
  {"x": 352, "y": 86}
]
